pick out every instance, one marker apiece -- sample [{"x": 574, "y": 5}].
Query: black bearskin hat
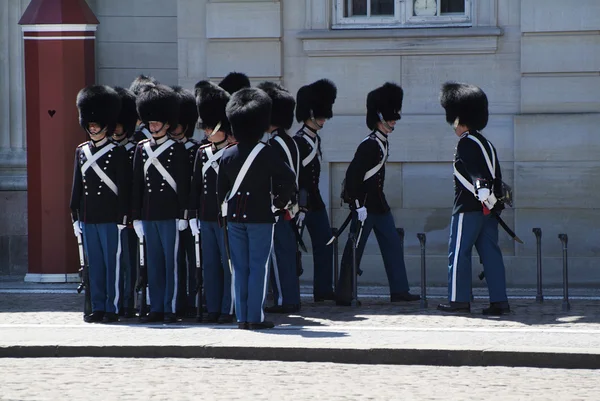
[
  {"x": 234, "y": 81},
  {"x": 282, "y": 113},
  {"x": 317, "y": 97},
  {"x": 211, "y": 101},
  {"x": 188, "y": 113},
  {"x": 249, "y": 113},
  {"x": 158, "y": 103},
  {"x": 99, "y": 104},
  {"x": 128, "y": 115},
  {"x": 387, "y": 100},
  {"x": 139, "y": 82},
  {"x": 466, "y": 102}
]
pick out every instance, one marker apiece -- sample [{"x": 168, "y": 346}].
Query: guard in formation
[
  {"x": 100, "y": 198},
  {"x": 254, "y": 186},
  {"x": 161, "y": 182},
  {"x": 363, "y": 191},
  {"x": 314, "y": 106},
  {"x": 477, "y": 201},
  {"x": 211, "y": 101},
  {"x": 123, "y": 136},
  {"x": 285, "y": 279},
  {"x": 183, "y": 133}
]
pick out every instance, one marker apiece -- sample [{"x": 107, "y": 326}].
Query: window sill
[{"x": 400, "y": 41}]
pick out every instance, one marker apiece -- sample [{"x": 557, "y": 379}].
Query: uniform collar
[
  {"x": 220, "y": 145},
  {"x": 124, "y": 142},
  {"x": 310, "y": 132},
  {"x": 182, "y": 140},
  {"x": 99, "y": 144},
  {"x": 383, "y": 137},
  {"x": 160, "y": 140}
]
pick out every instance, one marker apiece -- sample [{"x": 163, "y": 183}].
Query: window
[{"x": 401, "y": 13}]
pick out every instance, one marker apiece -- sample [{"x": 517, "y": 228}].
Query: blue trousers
[
  {"x": 466, "y": 230},
  {"x": 162, "y": 243},
  {"x": 317, "y": 223},
  {"x": 250, "y": 249},
  {"x": 129, "y": 241},
  {"x": 103, "y": 247},
  {"x": 186, "y": 258},
  {"x": 218, "y": 286},
  {"x": 284, "y": 277},
  {"x": 391, "y": 250}
]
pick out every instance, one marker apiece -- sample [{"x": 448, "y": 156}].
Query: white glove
[
  {"x": 77, "y": 228},
  {"x": 182, "y": 224},
  {"x": 120, "y": 226},
  {"x": 139, "y": 228},
  {"x": 483, "y": 194},
  {"x": 301, "y": 217},
  {"x": 362, "y": 214},
  {"x": 195, "y": 226}
]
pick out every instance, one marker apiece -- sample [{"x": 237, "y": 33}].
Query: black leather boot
[{"x": 455, "y": 307}]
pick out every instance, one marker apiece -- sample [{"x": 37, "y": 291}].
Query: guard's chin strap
[
  {"x": 314, "y": 120},
  {"x": 215, "y": 130},
  {"x": 154, "y": 132},
  {"x": 97, "y": 133},
  {"x": 385, "y": 124}
]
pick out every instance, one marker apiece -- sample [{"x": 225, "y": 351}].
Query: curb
[{"x": 380, "y": 356}]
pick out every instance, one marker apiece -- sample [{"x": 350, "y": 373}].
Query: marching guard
[
  {"x": 100, "y": 198},
  {"x": 159, "y": 199},
  {"x": 363, "y": 191},
  {"x": 314, "y": 106},
  {"x": 477, "y": 201},
  {"x": 123, "y": 137},
  {"x": 284, "y": 275},
  {"x": 254, "y": 186},
  {"x": 211, "y": 101},
  {"x": 183, "y": 133}
]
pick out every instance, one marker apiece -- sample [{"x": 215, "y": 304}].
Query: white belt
[
  {"x": 295, "y": 168},
  {"x": 153, "y": 160},
  {"x": 212, "y": 158},
  {"x": 313, "y": 152},
  {"x": 92, "y": 161},
  {"x": 378, "y": 167}
]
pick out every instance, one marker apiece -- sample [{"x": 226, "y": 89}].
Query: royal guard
[
  {"x": 211, "y": 101},
  {"x": 160, "y": 197},
  {"x": 183, "y": 133},
  {"x": 123, "y": 137},
  {"x": 477, "y": 204},
  {"x": 254, "y": 186},
  {"x": 284, "y": 274},
  {"x": 314, "y": 106},
  {"x": 363, "y": 191},
  {"x": 100, "y": 198},
  {"x": 141, "y": 132}
]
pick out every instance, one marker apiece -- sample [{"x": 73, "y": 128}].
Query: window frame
[{"x": 403, "y": 18}]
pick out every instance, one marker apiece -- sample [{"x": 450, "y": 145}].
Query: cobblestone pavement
[
  {"x": 64, "y": 309},
  {"x": 187, "y": 379}
]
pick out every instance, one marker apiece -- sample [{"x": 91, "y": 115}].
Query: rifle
[
  {"x": 142, "y": 282},
  {"x": 84, "y": 276},
  {"x": 199, "y": 278}
]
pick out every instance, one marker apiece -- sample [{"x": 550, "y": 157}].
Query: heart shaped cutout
[{"x": 51, "y": 113}]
